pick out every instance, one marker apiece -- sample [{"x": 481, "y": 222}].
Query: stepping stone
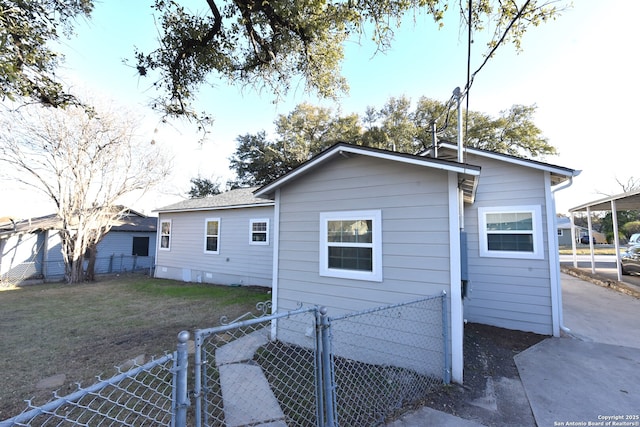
[
  {"x": 132, "y": 363},
  {"x": 243, "y": 348},
  {"x": 52, "y": 382},
  {"x": 247, "y": 397}
]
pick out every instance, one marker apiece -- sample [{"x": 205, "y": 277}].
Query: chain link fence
[
  {"x": 296, "y": 368},
  {"x": 388, "y": 358},
  {"x": 50, "y": 271},
  {"x": 141, "y": 396}
]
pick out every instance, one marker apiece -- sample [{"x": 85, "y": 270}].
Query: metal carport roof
[
  {"x": 620, "y": 202},
  {"x": 623, "y": 202}
]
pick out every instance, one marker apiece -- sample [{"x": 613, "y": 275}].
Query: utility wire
[{"x": 470, "y": 78}]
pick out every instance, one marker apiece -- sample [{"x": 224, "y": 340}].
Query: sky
[{"x": 579, "y": 70}]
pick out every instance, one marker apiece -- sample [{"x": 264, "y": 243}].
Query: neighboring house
[
  {"x": 30, "y": 249},
  {"x": 564, "y": 233},
  {"x": 355, "y": 228},
  {"x": 224, "y": 239}
]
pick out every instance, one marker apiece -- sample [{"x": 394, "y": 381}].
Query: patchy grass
[
  {"x": 597, "y": 250},
  {"x": 88, "y": 329}
]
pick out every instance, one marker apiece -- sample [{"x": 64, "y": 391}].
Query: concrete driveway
[{"x": 592, "y": 376}]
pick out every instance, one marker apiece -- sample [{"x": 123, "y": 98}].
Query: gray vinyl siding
[
  {"x": 237, "y": 263},
  {"x": 22, "y": 256},
  {"x": 415, "y": 233},
  {"x": 508, "y": 292},
  {"x": 115, "y": 252}
]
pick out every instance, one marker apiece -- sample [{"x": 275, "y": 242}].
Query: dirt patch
[{"x": 489, "y": 366}]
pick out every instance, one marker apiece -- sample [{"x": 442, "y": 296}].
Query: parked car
[
  {"x": 634, "y": 240},
  {"x": 630, "y": 260},
  {"x": 585, "y": 240}
]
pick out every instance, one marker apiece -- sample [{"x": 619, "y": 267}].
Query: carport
[{"x": 621, "y": 202}]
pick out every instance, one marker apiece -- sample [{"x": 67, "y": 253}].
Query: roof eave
[
  {"x": 558, "y": 171},
  {"x": 214, "y": 208}
]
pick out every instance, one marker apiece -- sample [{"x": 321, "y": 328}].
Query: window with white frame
[
  {"x": 165, "y": 235},
  {"x": 351, "y": 245},
  {"x": 259, "y": 231},
  {"x": 511, "y": 232},
  {"x": 212, "y": 236}
]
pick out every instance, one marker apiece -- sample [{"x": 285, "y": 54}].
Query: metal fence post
[
  {"x": 327, "y": 377},
  {"x": 445, "y": 339},
  {"x": 181, "y": 399},
  {"x": 318, "y": 372}
]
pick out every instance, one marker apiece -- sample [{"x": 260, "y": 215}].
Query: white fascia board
[{"x": 535, "y": 164}]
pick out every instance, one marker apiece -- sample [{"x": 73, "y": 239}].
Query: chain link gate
[{"x": 259, "y": 370}]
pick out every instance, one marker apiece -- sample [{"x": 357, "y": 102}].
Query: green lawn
[{"x": 87, "y": 329}]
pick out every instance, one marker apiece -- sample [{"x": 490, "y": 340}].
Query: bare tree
[
  {"x": 632, "y": 184},
  {"x": 84, "y": 162}
]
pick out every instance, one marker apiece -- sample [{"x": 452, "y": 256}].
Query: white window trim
[
  {"x": 168, "y": 248},
  {"x": 538, "y": 249},
  {"x": 253, "y": 221},
  {"x": 207, "y": 221},
  {"x": 376, "y": 217}
]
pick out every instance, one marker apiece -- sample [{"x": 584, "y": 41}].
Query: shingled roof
[{"x": 233, "y": 199}]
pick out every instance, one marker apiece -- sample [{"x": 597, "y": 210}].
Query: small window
[
  {"x": 259, "y": 232},
  {"x": 212, "y": 236},
  {"x": 511, "y": 232},
  {"x": 165, "y": 235},
  {"x": 350, "y": 245},
  {"x": 140, "y": 246}
]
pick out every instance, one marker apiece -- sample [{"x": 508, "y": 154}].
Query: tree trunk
[
  {"x": 91, "y": 265},
  {"x": 74, "y": 271}
]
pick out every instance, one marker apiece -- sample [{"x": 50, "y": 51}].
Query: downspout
[
  {"x": 275, "y": 275},
  {"x": 558, "y": 287}
]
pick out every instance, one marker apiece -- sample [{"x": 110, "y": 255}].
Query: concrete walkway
[
  {"x": 590, "y": 375},
  {"x": 593, "y": 374},
  {"x": 247, "y": 397}
]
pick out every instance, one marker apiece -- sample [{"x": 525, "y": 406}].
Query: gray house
[
  {"x": 356, "y": 228},
  {"x": 30, "y": 249},
  {"x": 224, "y": 239}
]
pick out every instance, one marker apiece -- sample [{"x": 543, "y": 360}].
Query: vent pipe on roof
[
  {"x": 434, "y": 139},
  {"x": 458, "y": 96}
]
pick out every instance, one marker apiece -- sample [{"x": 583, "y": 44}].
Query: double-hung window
[
  {"x": 212, "y": 236},
  {"x": 259, "y": 232},
  {"x": 511, "y": 232},
  {"x": 165, "y": 235},
  {"x": 351, "y": 245}
]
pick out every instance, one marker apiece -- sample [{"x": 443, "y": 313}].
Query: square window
[
  {"x": 351, "y": 245},
  {"x": 511, "y": 232},
  {"x": 140, "y": 246},
  {"x": 259, "y": 232}
]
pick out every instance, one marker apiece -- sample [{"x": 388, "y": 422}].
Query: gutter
[{"x": 558, "y": 290}]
